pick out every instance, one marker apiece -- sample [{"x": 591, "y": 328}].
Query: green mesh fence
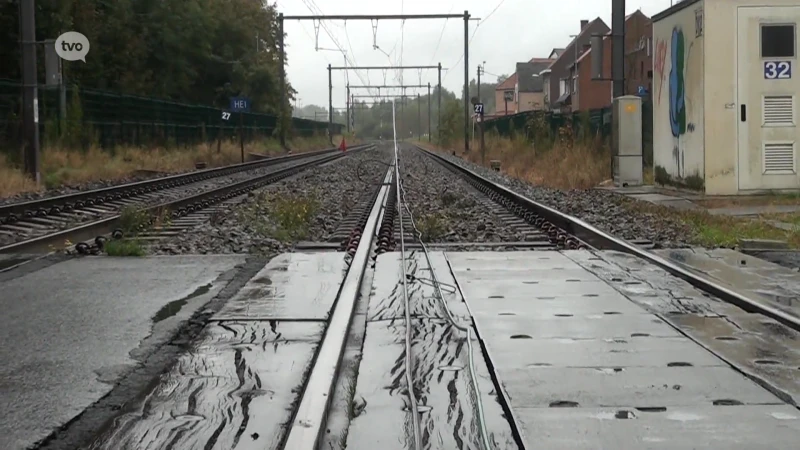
[
  {"x": 599, "y": 120},
  {"x": 114, "y": 119}
]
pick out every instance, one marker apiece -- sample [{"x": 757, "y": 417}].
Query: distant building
[
  {"x": 524, "y": 88},
  {"x": 530, "y": 87},
  {"x": 724, "y": 112},
  {"x": 559, "y": 82},
  {"x": 506, "y": 89},
  {"x": 592, "y": 94}
]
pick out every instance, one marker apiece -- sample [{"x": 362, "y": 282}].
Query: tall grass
[
  {"x": 61, "y": 165},
  {"x": 564, "y": 161}
]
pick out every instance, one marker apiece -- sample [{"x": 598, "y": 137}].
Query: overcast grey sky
[{"x": 509, "y": 31}]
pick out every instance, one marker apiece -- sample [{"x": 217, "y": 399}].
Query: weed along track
[{"x": 42, "y": 225}]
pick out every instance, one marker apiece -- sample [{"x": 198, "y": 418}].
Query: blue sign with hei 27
[{"x": 240, "y": 104}]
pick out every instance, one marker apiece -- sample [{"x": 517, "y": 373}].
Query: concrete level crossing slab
[
  {"x": 72, "y": 329},
  {"x": 760, "y": 347},
  {"x": 234, "y": 389},
  {"x": 440, "y": 365},
  {"x": 386, "y": 301},
  {"x": 575, "y": 380},
  {"x": 752, "y": 427},
  {"x": 292, "y": 286},
  {"x": 768, "y": 283}
]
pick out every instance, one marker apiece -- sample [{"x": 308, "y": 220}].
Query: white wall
[
  {"x": 721, "y": 86},
  {"x": 678, "y": 95}
]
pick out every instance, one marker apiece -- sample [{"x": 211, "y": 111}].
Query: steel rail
[
  {"x": 601, "y": 240},
  {"x": 179, "y": 207},
  {"x": 12, "y": 212},
  {"x": 307, "y": 426}
]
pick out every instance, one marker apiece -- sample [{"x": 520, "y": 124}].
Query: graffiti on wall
[
  {"x": 678, "y": 75},
  {"x": 677, "y": 83},
  {"x": 660, "y": 60}
]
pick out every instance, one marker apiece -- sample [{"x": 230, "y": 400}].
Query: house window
[{"x": 777, "y": 41}]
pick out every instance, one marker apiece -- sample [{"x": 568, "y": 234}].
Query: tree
[{"x": 194, "y": 51}]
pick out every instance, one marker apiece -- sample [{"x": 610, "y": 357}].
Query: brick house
[
  {"x": 528, "y": 93},
  {"x": 509, "y": 85},
  {"x": 560, "y": 85},
  {"x": 529, "y": 90},
  {"x": 638, "y": 65}
]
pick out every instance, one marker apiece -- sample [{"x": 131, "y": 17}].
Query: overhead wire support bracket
[
  {"x": 382, "y": 67},
  {"x": 316, "y": 24},
  {"x": 385, "y": 86},
  {"x": 374, "y": 18}
]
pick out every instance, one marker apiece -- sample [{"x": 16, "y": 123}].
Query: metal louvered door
[{"x": 768, "y": 132}]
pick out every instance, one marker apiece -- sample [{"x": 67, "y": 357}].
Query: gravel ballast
[
  {"x": 605, "y": 210},
  {"x": 150, "y": 199},
  {"x": 445, "y": 207},
  {"x": 265, "y": 221}
]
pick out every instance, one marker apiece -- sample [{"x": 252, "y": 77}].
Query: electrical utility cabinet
[{"x": 626, "y": 130}]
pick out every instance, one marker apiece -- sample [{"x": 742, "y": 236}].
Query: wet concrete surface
[
  {"x": 585, "y": 366},
  {"x": 292, "y": 286},
  {"x": 788, "y": 259},
  {"x": 233, "y": 389},
  {"x": 443, "y": 385},
  {"x": 752, "y": 277},
  {"x": 73, "y": 328},
  {"x": 763, "y": 349},
  {"x": 236, "y": 386},
  {"x": 752, "y": 427}
]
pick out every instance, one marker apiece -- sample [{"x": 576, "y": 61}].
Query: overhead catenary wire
[{"x": 499, "y": 4}]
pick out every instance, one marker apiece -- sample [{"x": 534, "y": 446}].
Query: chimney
[{"x": 583, "y": 24}]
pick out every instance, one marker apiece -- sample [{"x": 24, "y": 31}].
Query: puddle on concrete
[{"x": 173, "y": 307}]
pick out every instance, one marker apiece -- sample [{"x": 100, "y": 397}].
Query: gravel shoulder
[
  {"x": 305, "y": 207},
  {"x": 605, "y": 210}
]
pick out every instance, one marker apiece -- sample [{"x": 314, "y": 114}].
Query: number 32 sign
[{"x": 777, "y": 70}]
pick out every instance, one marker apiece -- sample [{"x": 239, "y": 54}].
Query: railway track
[
  {"x": 389, "y": 226},
  {"x": 413, "y": 317},
  {"x": 42, "y": 225}
]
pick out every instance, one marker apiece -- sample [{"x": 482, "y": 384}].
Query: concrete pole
[
  {"x": 466, "y": 81},
  {"x": 439, "y": 105},
  {"x": 330, "y": 104},
  {"x": 30, "y": 99},
  {"x": 419, "y": 118},
  {"x": 429, "y": 112},
  {"x": 282, "y": 81}
]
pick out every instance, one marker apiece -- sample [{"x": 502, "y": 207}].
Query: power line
[
  {"x": 439, "y": 43},
  {"x": 475, "y": 32}
]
